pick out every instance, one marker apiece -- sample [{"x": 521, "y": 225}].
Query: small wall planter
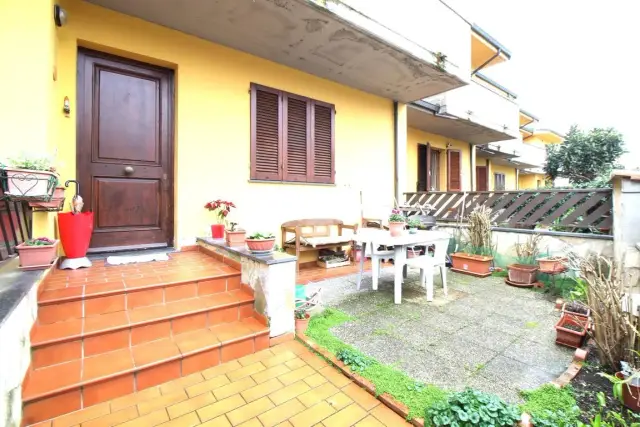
[
  {"x": 474, "y": 265},
  {"x": 30, "y": 183},
  {"x": 217, "y": 231},
  {"x": 57, "y": 201},
  {"x": 333, "y": 263},
  {"x": 551, "y": 264},
  {"x": 522, "y": 274},
  {"x": 396, "y": 228},
  {"x": 261, "y": 245},
  {"x": 33, "y": 257},
  {"x": 576, "y": 310},
  {"x": 570, "y": 331},
  {"x": 235, "y": 238},
  {"x": 630, "y": 393}
]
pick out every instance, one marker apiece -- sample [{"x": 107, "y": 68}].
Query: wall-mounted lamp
[
  {"x": 59, "y": 15},
  {"x": 66, "y": 106}
]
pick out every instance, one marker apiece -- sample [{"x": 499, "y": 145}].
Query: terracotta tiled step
[
  {"x": 70, "y": 386},
  {"x": 75, "y": 338},
  {"x": 94, "y": 298}
]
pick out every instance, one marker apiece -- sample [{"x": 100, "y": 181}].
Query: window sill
[{"x": 264, "y": 181}]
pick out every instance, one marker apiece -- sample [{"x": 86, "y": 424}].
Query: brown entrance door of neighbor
[
  {"x": 481, "y": 178},
  {"x": 125, "y": 150}
]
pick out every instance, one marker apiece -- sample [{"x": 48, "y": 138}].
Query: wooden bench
[{"x": 315, "y": 234}]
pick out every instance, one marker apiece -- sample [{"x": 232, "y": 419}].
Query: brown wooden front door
[
  {"x": 481, "y": 178},
  {"x": 125, "y": 150}
]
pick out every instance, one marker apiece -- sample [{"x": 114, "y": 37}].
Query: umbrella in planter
[{"x": 75, "y": 232}]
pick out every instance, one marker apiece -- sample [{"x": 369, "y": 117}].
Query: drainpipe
[
  {"x": 472, "y": 167},
  {"x": 396, "y": 159},
  {"x": 487, "y": 62}
]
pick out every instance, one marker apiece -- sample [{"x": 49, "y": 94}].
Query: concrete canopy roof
[
  {"x": 327, "y": 39},
  {"x": 422, "y": 115}
]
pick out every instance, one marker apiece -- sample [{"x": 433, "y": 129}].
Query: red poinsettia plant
[{"x": 221, "y": 208}]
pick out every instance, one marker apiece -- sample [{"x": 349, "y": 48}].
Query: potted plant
[
  {"x": 524, "y": 272},
  {"x": 261, "y": 242},
  {"x": 57, "y": 200},
  {"x": 235, "y": 236},
  {"x": 476, "y": 261},
  {"x": 576, "y": 308},
  {"x": 413, "y": 224},
  {"x": 37, "y": 253},
  {"x": 221, "y": 210},
  {"x": 552, "y": 264},
  {"x": 626, "y": 385},
  {"x": 32, "y": 177},
  {"x": 302, "y": 320},
  {"x": 396, "y": 222},
  {"x": 571, "y": 330}
]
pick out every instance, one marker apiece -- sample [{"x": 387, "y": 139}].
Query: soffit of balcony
[
  {"x": 326, "y": 39},
  {"x": 485, "y": 48},
  {"x": 453, "y": 127}
]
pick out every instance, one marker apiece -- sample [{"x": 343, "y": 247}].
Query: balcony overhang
[
  {"x": 485, "y": 50},
  {"x": 427, "y": 117},
  {"x": 548, "y": 136},
  {"x": 514, "y": 163},
  {"x": 327, "y": 39},
  {"x": 526, "y": 118},
  {"x": 494, "y": 153}
]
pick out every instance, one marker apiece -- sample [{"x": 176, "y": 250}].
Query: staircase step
[
  {"x": 65, "y": 387},
  {"x": 57, "y": 305},
  {"x": 71, "y": 339}
]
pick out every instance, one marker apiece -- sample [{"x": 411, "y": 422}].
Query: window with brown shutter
[
  {"x": 454, "y": 169},
  {"x": 498, "y": 181},
  {"x": 292, "y": 137}
]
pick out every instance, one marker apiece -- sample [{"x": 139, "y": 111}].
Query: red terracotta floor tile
[
  {"x": 231, "y": 331},
  {"x": 196, "y": 340},
  {"x": 98, "y": 288},
  {"x": 145, "y": 314},
  {"x": 141, "y": 282},
  {"x": 60, "y": 294},
  {"x": 106, "y": 390},
  {"x": 241, "y": 295},
  {"x": 107, "y": 364},
  {"x": 52, "y": 378},
  {"x": 254, "y": 325},
  {"x": 150, "y": 332},
  {"x": 217, "y": 300},
  {"x": 54, "y": 331},
  {"x": 154, "y": 352},
  {"x": 185, "y": 306},
  {"x": 105, "y": 321}
]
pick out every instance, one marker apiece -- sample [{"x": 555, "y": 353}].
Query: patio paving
[
  {"x": 484, "y": 334},
  {"x": 286, "y": 385}
]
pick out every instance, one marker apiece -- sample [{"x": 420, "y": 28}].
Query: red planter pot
[
  {"x": 630, "y": 394},
  {"x": 396, "y": 228},
  {"x": 260, "y": 245},
  {"x": 569, "y": 337},
  {"x": 302, "y": 324},
  {"x": 75, "y": 233},
  {"x": 217, "y": 231},
  {"x": 475, "y": 265},
  {"x": 522, "y": 273},
  {"x": 235, "y": 238},
  {"x": 36, "y": 256},
  {"x": 574, "y": 313}
]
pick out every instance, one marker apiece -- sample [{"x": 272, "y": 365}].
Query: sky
[{"x": 571, "y": 61}]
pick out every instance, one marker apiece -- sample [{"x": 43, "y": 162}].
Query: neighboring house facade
[{"x": 534, "y": 150}]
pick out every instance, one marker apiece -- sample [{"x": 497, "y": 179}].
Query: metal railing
[{"x": 573, "y": 210}]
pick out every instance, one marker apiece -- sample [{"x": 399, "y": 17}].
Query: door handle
[{"x": 128, "y": 170}]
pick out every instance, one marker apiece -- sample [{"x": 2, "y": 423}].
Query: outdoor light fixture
[{"x": 59, "y": 15}]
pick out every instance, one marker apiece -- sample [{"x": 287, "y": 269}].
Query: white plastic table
[{"x": 376, "y": 237}]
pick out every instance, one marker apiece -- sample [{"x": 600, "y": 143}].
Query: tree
[{"x": 585, "y": 158}]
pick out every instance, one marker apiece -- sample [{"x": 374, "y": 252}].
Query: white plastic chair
[
  {"x": 377, "y": 256},
  {"x": 427, "y": 264}
]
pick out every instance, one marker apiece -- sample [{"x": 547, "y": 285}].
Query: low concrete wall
[{"x": 556, "y": 244}]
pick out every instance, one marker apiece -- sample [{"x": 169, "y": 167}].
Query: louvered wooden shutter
[
  {"x": 296, "y": 138},
  {"x": 266, "y": 134},
  {"x": 454, "y": 170},
  {"x": 323, "y": 169}
]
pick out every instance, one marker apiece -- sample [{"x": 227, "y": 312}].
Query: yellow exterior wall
[
  {"x": 509, "y": 176},
  {"x": 27, "y": 43},
  {"x": 212, "y": 132},
  {"x": 415, "y": 137},
  {"x": 530, "y": 181}
]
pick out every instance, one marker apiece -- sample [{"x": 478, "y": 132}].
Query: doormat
[{"x": 132, "y": 259}]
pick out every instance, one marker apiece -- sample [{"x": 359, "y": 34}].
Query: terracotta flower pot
[
  {"x": 235, "y": 238},
  {"x": 568, "y": 312},
  {"x": 630, "y": 394},
  {"x": 475, "y": 265},
  {"x": 570, "y": 331},
  {"x": 522, "y": 273},
  {"x": 36, "y": 256},
  {"x": 260, "y": 245},
  {"x": 217, "y": 231},
  {"x": 396, "y": 228},
  {"x": 302, "y": 324},
  {"x": 29, "y": 183},
  {"x": 551, "y": 264},
  {"x": 57, "y": 200}
]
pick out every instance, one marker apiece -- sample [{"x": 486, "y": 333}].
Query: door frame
[{"x": 170, "y": 182}]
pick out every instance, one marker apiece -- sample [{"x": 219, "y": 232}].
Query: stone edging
[{"x": 401, "y": 409}]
